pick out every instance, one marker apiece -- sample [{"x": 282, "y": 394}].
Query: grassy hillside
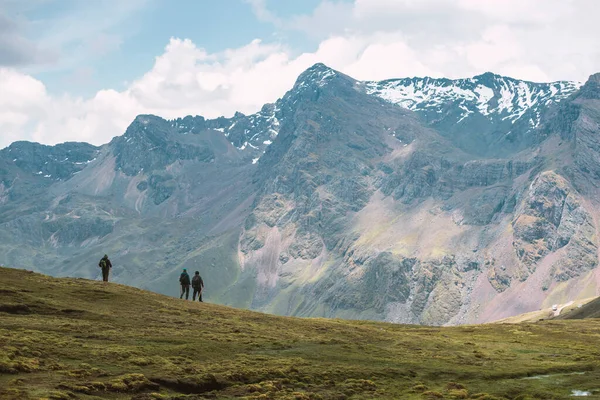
[
  {"x": 73, "y": 338},
  {"x": 589, "y": 310},
  {"x": 563, "y": 311}
]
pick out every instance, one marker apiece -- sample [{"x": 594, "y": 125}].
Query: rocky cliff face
[{"x": 416, "y": 200}]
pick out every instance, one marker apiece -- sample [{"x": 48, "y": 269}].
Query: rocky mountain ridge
[
  {"x": 491, "y": 95},
  {"x": 498, "y": 114},
  {"x": 334, "y": 201}
]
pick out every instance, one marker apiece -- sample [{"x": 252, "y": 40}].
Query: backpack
[
  {"x": 196, "y": 281},
  {"x": 184, "y": 279},
  {"x": 102, "y": 263}
]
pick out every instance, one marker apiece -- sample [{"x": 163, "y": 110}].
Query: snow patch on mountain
[
  {"x": 493, "y": 96},
  {"x": 250, "y": 134}
]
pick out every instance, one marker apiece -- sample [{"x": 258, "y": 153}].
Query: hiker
[
  {"x": 197, "y": 285},
  {"x": 105, "y": 265},
  {"x": 184, "y": 280}
]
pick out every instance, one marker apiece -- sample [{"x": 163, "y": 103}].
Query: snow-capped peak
[
  {"x": 318, "y": 74},
  {"x": 491, "y": 95}
]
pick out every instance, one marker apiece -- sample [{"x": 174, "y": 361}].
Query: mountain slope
[
  {"x": 73, "y": 338},
  {"x": 402, "y": 225},
  {"x": 334, "y": 202},
  {"x": 587, "y": 311}
]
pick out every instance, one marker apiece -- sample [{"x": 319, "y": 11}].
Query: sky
[{"x": 81, "y": 70}]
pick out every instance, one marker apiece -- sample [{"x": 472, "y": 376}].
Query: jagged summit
[
  {"x": 591, "y": 89},
  {"x": 487, "y": 75},
  {"x": 145, "y": 118},
  {"x": 319, "y": 75},
  {"x": 145, "y": 124},
  {"x": 318, "y": 69},
  {"x": 595, "y": 78},
  {"x": 488, "y": 94}
]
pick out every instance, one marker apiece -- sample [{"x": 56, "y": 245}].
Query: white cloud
[
  {"x": 540, "y": 39},
  {"x": 367, "y": 39},
  {"x": 536, "y": 11},
  {"x": 372, "y": 57}
]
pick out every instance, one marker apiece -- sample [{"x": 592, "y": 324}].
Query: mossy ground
[{"x": 79, "y": 339}]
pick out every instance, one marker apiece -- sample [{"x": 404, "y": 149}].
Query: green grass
[{"x": 80, "y": 339}]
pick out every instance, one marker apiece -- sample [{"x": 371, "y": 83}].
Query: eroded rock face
[
  {"x": 380, "y": 280},
  {"x": 551, "y": 218},
  {"x": 518, "y": 201},
  {"x": 321, "y": 167}
]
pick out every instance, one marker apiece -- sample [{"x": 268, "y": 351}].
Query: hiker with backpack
[
  {"x": 105, "y": 265},
  {"x": 198, "y": 286},
  {"x": 184, "y": 281}
]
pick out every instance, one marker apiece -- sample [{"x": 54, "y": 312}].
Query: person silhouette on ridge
[
  {"x": 197, "y": 285},
  {"x": 105, "y": 265},
  {"x": 184, "y": 280}
]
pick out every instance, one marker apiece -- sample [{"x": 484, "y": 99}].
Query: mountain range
[{"x": 422, "y": 200}]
